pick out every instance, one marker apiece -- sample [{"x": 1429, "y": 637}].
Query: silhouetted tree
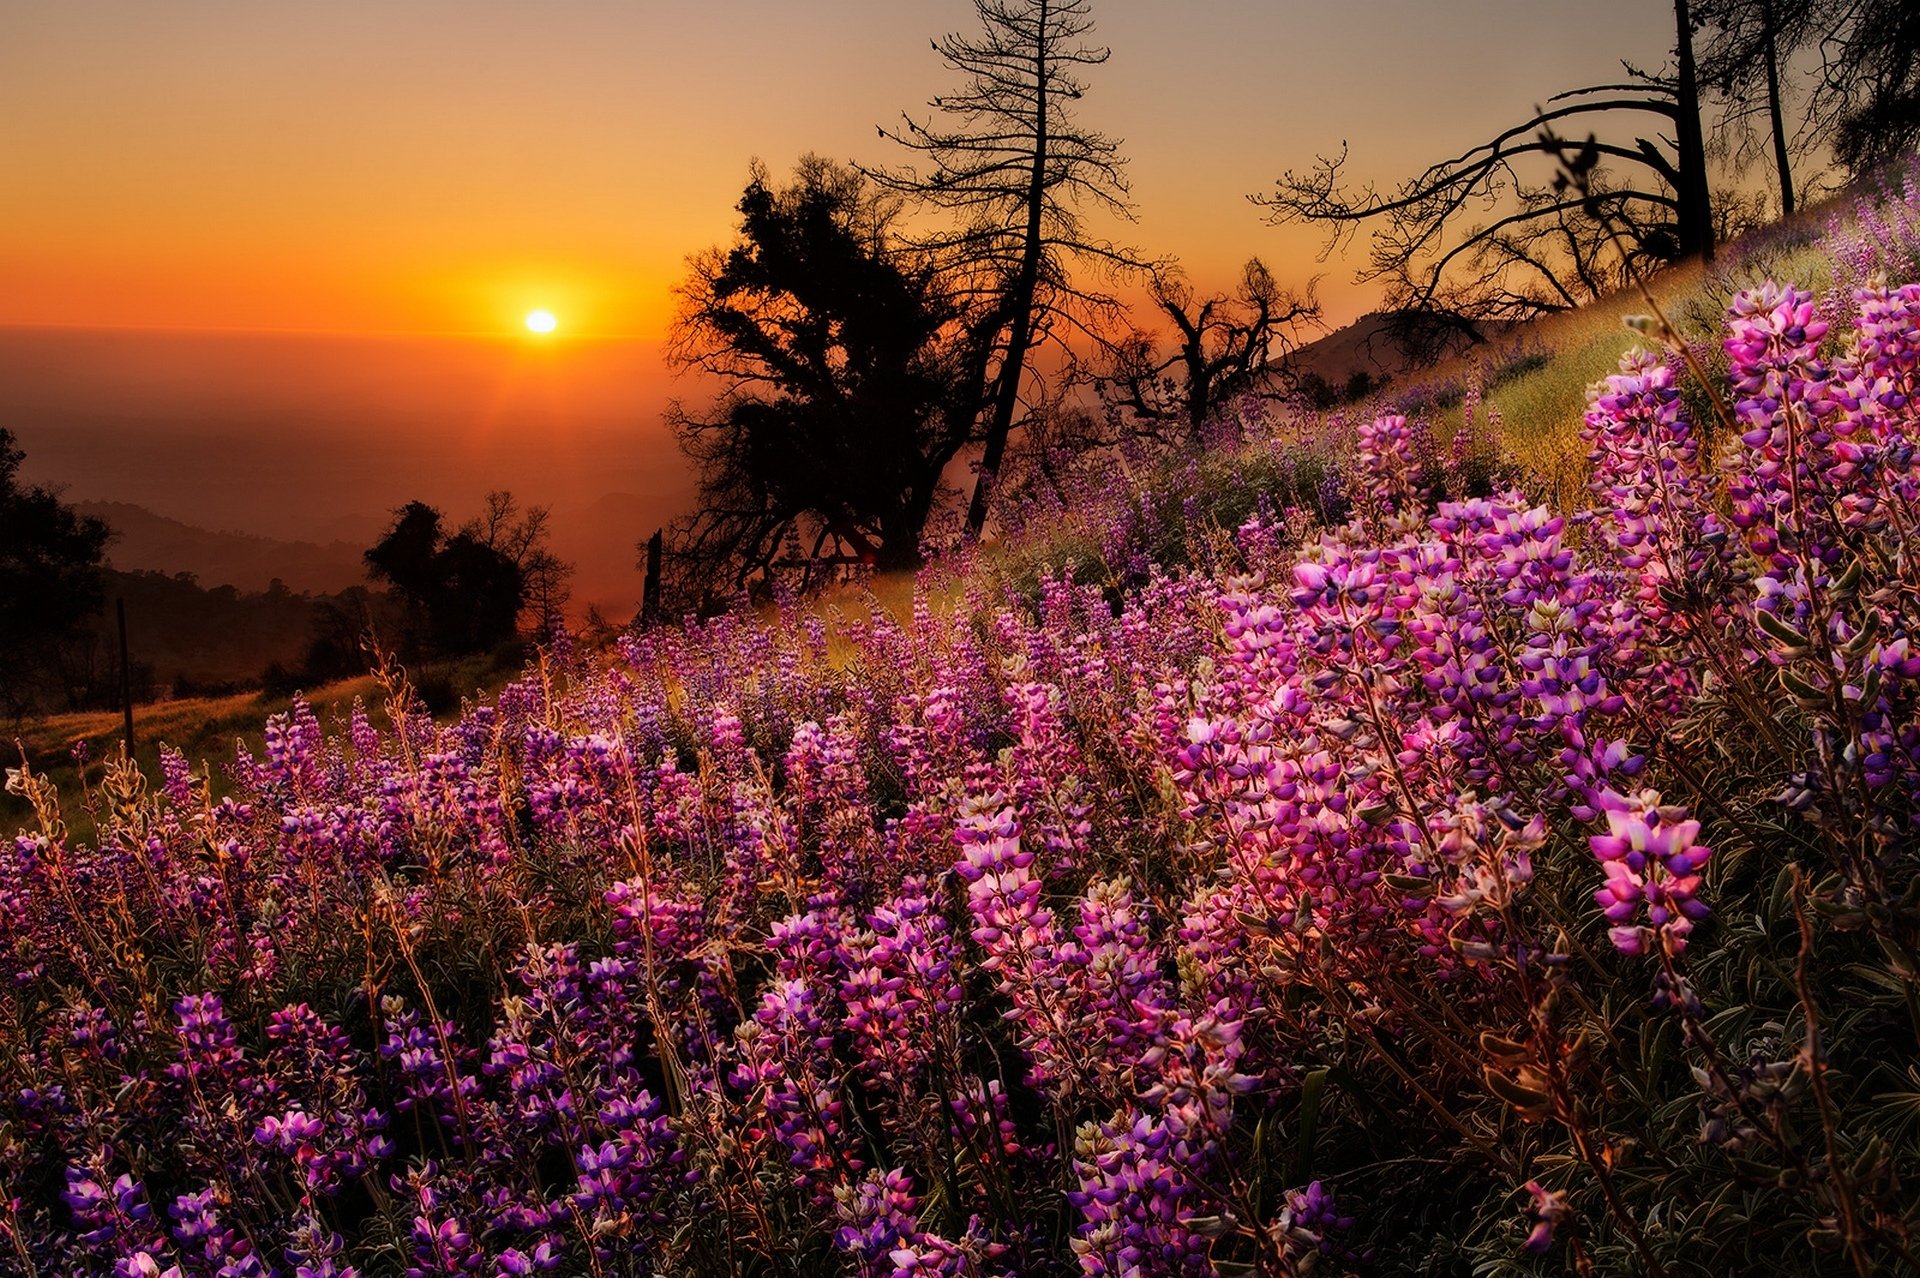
[
  {"x": 1222, "y": 346},
  {"x": 836, "y": 414},
  {"x": 1546, "y": 249},
  {"x": 1832, "y": 80},
  {"x": 404, "y": 556},
  {"x": 1744, "y": 56},
  {"x": 338, "y": 640},
  {"x": 522, "y": 535},
  {"x": 468, "y": 593},
  {"x": 1015, "y": 170},
  {"x": 1875, "y": 66},
  {"x": 51, "y": 564},
  {"x": 479, "y": 598}
]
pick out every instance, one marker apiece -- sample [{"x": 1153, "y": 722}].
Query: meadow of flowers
[{"x": 1412, "y": 880}]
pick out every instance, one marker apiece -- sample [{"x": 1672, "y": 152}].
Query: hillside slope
[{"x": 149, "y": 542}]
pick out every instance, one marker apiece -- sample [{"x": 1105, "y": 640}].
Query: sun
[{"x": 541, "y": 322}]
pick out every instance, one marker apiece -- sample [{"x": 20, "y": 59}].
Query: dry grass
[
  {"x": 205, "y": 729},
  {"x": 1540, "y": 409}
]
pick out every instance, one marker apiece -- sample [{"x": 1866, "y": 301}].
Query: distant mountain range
[
  {"x": 146, "y": 541},
  {"x": 599, "y": 537}
]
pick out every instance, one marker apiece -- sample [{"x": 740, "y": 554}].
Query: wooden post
[
  {"x": 126, "y": 674},
  {"x": 650, "y": 592}
]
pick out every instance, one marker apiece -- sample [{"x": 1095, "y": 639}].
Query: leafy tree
[
  {"x": 1545, "y": 249},
  {"x": 1875, "y": 65},
  {"x": 837, "y": 411},
  {"x": 468, "y": 593},
  {"x": 404, "y": 556},
  {"x": 51, "y": 566},
  {"x": 480, "y": 595},
  {"x": 1016, "y": 170},
  {"x": 1222, "y": 345}
]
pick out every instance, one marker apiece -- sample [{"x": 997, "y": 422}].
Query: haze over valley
[{"x": 316, "y": 438}]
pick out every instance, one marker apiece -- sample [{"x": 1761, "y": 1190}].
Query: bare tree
[
  {"x": 1744, "y": 63},
  {"x": 506, "y": 527},
  {"x": 521, "y": 535},
  {"x": 1848, "y": 69},
  {"x": 1222, "y": 345},
  {"x": 1541, "y": 250},
  {"x": 1010, "y": 164}
]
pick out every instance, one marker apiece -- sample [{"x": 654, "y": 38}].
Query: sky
[
  {"x": 265, "y": 266},
  {"x": 444, "y": 166}
]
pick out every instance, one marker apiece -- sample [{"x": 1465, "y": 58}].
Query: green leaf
[
  {"x": 1311, "y": 1088},
  {"x": 1780, "y": 630}
]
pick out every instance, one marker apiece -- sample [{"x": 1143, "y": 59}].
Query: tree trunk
[
  {"x": 1020, "y": 335},
  {"x": 1199, "y": 390},
  {"x": 900, "y": 535},
  {"x": 1780, "y": 159},
  {"x": 650, "y": 606},
  {"x": 1696, "y": 201}
]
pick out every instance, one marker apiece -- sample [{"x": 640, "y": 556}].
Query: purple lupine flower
[{"x": 1652, "y": 860}]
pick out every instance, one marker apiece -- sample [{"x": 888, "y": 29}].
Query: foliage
[
  {"x": 467, "y": 590},
  {"x": 522, "y": 535},
  {"x": 50, "y": 581},
  {"x": 838, "y": 410}
]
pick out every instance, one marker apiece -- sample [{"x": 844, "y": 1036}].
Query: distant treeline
[
  {"x": 455, "y": 594},
  {"x": 186, "y": 639}
]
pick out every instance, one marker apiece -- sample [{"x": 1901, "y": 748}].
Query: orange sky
[{"x": 433, "y": 166}]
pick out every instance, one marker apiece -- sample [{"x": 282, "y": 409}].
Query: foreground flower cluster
[{"x": 1468, "y": 884}]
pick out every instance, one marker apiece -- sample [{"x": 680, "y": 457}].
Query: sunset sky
[
  {"x": 407, "y": 166},
  {"x": 345, "y": 211}
]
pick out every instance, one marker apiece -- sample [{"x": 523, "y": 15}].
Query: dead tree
[
  {"x": 1222, "y": 345},
  {"x": 1005, "y": 158},
  {"x": 1541, "y": 251}
]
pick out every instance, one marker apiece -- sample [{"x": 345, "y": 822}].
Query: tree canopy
[
  {"x": 466, "y": 593},
  {"x": 51, "y": 565},
  {"x": 838, "y": 404}
]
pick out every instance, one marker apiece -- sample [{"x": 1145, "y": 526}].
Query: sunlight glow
[{"x": 541, "y": 322}]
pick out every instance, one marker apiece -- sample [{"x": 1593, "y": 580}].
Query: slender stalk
[{"x": 1844, "y": 1196}]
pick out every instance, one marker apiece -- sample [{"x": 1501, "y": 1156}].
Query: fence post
[{"x": 126, "y": 674}]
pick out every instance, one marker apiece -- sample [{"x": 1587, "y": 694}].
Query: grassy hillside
[
  {"x": 204, "y": 729},
  {"x": 1355, "y": 850}
]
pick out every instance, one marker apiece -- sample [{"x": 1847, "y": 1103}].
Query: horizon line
[{"x": 287, "y": 331}]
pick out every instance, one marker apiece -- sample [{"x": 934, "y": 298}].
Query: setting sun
[{"x": 541, "y": 322}]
